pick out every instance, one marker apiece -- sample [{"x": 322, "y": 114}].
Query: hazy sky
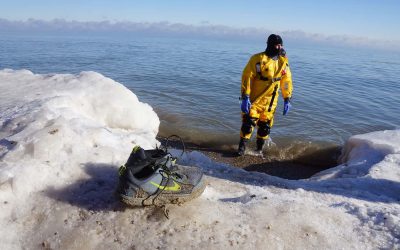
[{"x": 375, "y": 19}]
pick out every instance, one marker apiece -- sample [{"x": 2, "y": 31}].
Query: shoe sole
[{"x": 163, "y": 199}]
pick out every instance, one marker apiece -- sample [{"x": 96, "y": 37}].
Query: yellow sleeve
[
  {"x": 286, "y": 81},
  {"x": 249, "y": 72}
]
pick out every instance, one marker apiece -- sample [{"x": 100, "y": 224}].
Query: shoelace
[{"x": 168, "y": 174}]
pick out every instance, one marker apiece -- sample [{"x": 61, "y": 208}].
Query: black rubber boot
[
  {"x": 260, "y": 144},
  {"x": 242, "y": 146}
]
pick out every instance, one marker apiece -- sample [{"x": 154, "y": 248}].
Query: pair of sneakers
[{"x": 152, "y": 177}]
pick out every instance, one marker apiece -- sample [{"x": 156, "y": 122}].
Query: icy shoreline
[{"x": 63, "y": 138}]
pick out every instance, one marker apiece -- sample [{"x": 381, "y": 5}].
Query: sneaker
[{"x": 160, "y": 184}]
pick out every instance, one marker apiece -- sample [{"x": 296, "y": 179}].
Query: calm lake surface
[{"x": 194, "y": 84}]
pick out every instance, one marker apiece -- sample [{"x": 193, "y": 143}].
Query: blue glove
[
  {"x": 286, "y": 106},
  {"x": 246, "y": 104}
]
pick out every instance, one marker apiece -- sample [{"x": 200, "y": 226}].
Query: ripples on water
[{"x": 194, "y": 85}]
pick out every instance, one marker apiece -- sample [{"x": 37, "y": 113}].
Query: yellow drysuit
[{"x": 261, "y": 80}]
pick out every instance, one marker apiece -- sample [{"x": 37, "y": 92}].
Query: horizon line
[{"x": 203, "y": 29}]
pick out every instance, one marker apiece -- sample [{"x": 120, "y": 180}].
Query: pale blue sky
[{"x": 375, "y": 19}]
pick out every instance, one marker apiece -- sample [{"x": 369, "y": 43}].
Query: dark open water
[{"x": 194, "y": 84}]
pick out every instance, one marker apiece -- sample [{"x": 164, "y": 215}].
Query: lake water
[{"x": 194, "y": 84}]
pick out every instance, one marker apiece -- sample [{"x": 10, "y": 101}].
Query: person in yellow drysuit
[{"x": 263, "y": 76}]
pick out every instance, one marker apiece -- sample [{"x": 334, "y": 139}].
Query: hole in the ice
[
  {"x": 294, "y": 161},
  {"x": 294, "y": 166}
]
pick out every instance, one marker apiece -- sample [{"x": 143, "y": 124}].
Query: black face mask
[
  {"x": 271, "y": 51},
  {"x": 272, "y": 41}
]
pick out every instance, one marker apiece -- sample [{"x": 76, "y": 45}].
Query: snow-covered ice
[{"x": 63, "y": 137}]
